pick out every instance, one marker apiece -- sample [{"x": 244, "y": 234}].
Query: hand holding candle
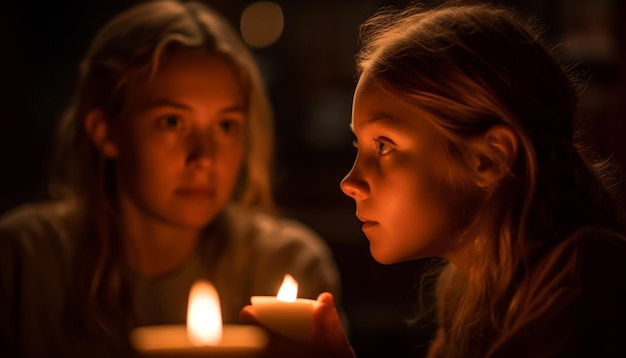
[
  {"x": 327, "y": 336},
  {"x": 285, "y": 314}
]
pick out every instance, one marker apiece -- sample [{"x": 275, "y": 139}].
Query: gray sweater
[{"x": 37, "y": 248}]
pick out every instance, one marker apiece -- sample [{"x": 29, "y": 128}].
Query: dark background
[{"x": 310, "y": 77}]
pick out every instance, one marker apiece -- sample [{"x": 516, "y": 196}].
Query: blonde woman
[{"x": 166, "y": 152}]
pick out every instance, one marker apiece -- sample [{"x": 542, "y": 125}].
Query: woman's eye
[
  {"x": 229, "y": 126},
  {"x": 355, "y": 144},
  {"x": 382, "y": 147},
  {"x": 171, "y": 122}
]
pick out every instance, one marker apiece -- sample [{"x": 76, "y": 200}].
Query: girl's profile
[{"x": 466, "y": 151}]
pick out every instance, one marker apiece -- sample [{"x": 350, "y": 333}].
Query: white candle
[
  {"x": 285, "y": 314},
  {"x": 203, "y": 336},
  {"x": 172, "y": 341}
]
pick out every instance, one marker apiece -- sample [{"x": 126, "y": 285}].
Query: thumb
[
  {"x": 247, "y": 315},
  {"x": 327, "y": 330}
]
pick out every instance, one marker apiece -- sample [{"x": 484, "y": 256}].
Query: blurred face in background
[{"x": 180, "y": 141}]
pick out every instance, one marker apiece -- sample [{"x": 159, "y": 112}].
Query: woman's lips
[{"x": 196, "y": 192}]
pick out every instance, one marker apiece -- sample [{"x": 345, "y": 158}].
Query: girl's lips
[{"x": 368, "y": 224}]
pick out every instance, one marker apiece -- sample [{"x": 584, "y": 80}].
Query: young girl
[
  {"x": 464, "y": 126},
  {"x": 167, "y": 145}
]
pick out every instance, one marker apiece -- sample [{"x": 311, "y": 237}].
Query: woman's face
[
  {"x": 398, "y": 180},
  {"x": 180, "y": 141}
]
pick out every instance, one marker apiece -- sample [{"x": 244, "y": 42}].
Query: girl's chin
[
  {"x": 389, "y": 257},
  {"x": 384, "y": 258}
]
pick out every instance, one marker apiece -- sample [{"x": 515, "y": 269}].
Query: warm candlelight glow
[
  {"x": 285, "y": 313},
  {"x": 204, "y": 315},
  {"x": 288, "y": 291},
  {"x": 203, "y": 335}
]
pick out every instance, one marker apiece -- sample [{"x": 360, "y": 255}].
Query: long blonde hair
[
  {"x": 472, "y": 67},
  {"x": 130, "y": 47}
]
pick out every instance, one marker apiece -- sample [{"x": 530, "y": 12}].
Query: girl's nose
[{"x": 354, "y": 186}]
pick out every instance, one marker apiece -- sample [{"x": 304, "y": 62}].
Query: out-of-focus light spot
[{"x": 262, "y": 23}]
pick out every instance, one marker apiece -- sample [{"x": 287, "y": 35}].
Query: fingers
[
  {"x": 328, "y": 338},
  {"x": 324, "y": 308},
  {"x": 247, "y": 316},
  {"x": 327, "y": 298},
  {"x": 280, "y": 346},
  {"x": 327, "y": 330}
]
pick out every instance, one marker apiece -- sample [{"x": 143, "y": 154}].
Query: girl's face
[
  {"x": 180, "y": 141},
  {"x": 398, "y": 180}
]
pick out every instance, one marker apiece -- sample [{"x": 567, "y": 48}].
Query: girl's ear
[
  {"x": 495, "y": 151},
  {"x": 99, "y": 131}
]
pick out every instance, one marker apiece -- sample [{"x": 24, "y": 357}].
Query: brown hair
[
  {"x": 472, "y": 67},
  {"x": 130, "y": 47}
]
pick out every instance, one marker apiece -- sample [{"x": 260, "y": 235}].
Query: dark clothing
[{"x": 574, "y": 303}]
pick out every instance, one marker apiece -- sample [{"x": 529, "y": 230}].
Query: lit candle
[
  {"x": 204, "y": 335},
  {"x": 285, "y": 314}
]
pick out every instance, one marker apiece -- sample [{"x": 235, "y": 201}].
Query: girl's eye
[
  {"x": 383, "y": 147},
  {"x": 171, "y": 122},
  {"x": 355, "y": 144}
]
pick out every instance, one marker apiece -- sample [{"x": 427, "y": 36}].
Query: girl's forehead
[
  {"x": 372, "y": 100},
  {"x": 365, "y": 82},
  {"x": 371, "y": 90},
  {"x": 376, "y": 105}
]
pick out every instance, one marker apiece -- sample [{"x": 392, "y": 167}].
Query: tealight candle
[
  {"x": 285, "y": 314},
  {"x": 203, "y": 336}
]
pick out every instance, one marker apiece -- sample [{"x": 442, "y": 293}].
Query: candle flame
[
  {"x": 288, "y": 290},
  {"x": 204, "y": 316}
]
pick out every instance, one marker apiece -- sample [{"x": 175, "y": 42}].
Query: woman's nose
[
  {"x": 202, "y": 150},
  {"x": 354, "y": 186}
]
